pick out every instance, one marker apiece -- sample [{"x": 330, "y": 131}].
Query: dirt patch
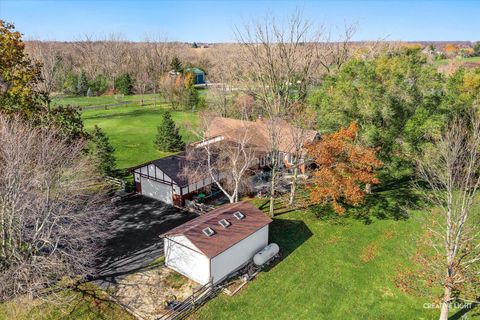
[
  {"x": 369, "y": 253},
  {"x": 147, "y": 292}
]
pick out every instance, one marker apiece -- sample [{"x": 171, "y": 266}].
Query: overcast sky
[{"x": 213, "y": 21}]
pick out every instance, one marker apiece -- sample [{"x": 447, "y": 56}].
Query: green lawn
[
  {"x": 446, "y": 61},
  {"x": 100, "y": 100},
  {"x": 131, "y": 130},
  {"x": 331, "y": 269}
]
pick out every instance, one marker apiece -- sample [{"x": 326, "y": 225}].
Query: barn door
[{"x": 138, "y": 187}]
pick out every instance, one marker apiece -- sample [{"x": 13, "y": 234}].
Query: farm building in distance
[
  {"x": 214, "y": 245},
  {"x": 199, "y": 75}
]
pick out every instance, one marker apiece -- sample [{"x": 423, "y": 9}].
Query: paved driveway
[{"x": 135, "y": 231}]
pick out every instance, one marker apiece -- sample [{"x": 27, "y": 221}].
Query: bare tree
[
  {"x": 228, "y": 158},
  {"x": 302, "y": 121},
  {"x": 52, "y": 209},
  {"x": 282, "y": 60},
  {"x": 335, "y": 52},
  {"x": 451, "y": 171},
  {"x": 46, "y": 54}
]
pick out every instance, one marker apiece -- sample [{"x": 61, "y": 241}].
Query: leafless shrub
[{"x": 52, "y": 210}]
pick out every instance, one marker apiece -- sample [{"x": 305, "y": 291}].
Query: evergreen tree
[
  {"x": 192, "y": 97},
  {"x": 168, "y": 138},
  {"x": 476, "y": 49},
  {"x": 176, "y": 64},
  {"x": 82, "y": 84},
  {"x": 124, "y": 84},
  {"x": 101, "y": 148}
]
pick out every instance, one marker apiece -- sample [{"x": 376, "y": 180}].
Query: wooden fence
[{"x": 185, "y": 307}]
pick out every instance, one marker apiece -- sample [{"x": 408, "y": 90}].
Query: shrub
[{"x": 124, "y": 84}]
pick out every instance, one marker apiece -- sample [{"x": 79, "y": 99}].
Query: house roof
[
  {"x": 195, "y": 70},
  {"x": 259, "y": 131},
  {"x": 173, "y": 166},
  {"x": 223, "y": 238}
]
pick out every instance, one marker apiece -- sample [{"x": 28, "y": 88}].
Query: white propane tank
[{"x": 266, "y": 254}]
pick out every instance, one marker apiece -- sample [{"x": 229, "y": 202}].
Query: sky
[{"x": 214, "y": 21}]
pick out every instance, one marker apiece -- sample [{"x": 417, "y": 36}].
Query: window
[
  {"x": 238, "y": 215},
  {"x": 208, "y": 232},
  {"x": 224, "y": 223}
]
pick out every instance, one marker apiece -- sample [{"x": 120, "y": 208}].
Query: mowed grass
[
  {"x": 132, "y": 129},
  {"x": 80, "y": 101},
  {"x": 331, "y": 269},
  {"x": 446, "y": 61}
]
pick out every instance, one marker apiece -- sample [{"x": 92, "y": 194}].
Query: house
[
  {"x": 221, "y": 128},
  {"x": 163, "y": 179},
  {"x": 198, "y": 75},
  {"x": 213, "y": 245}
]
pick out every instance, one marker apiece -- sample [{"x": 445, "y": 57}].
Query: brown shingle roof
[
  {"x": 259, "y": 131},
  {"x": 223, "y": 238}
]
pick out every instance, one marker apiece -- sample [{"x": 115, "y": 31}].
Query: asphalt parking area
[{"x": 134, "y": 231}]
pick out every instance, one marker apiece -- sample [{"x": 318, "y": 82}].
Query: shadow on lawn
[
  {"x": 289, "y": 234},
  {"x": 461, "y": 314}
]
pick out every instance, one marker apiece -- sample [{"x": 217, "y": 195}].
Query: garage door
[{"x": 157, "y": 190}]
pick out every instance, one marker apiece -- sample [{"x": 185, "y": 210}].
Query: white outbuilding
[{"x": 217, "y": 243}]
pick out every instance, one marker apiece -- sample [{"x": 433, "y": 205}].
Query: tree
[
  {"x": 101, "y": 149},
  {"x": 476, "y": 49},
  {"x": 382, "y": 95},
  {"x": 192, "y": 96},
  {"x": 281, "y": 62},
  {"x": 226, "y": 162},
  {"x": 343, "y": 167},
  {"x": 450, "y": 169},
  {"x": 18, "y": 74},
  {"x": 302, "y": 121},
  {"x": 124, "y": 84},
  {"x": 52, "y": 213},
  {"x": 176, "y": 64},
  {"x": 172, "y": 89},
  {"x": 168, "y": 138},
  {"x": 451, "y": 49},
  {"x": 82, "y": 84}
]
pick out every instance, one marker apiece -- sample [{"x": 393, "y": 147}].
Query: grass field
[
  {"x": 100, "y": 100},
  {"x": 331, "y": 269},
  {"x": 446, "y": 61},
  {"x": 131, "y": 130}
]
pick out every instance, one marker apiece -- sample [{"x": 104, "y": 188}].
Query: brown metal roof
[{"x": 223, "y": 238}]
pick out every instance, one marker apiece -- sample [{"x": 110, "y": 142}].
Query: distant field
[
  {"x": 446, "y": 61},
  {"x": 131, "y": 130},
  {"x": 101, "y": 100}
]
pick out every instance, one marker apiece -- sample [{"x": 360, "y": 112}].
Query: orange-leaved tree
[{"x": 343, "y": 168}]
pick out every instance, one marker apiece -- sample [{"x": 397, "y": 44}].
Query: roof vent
[
  {"x": 224, "y": 223},
  {"x": 208, "y": 232},
  {"x": 238, "y": 215}
]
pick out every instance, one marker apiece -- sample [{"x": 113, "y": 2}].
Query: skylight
[
  {"x": 238, "y": 215},
  {"x": 224, "y": 223},
  {"x": 208, "y": 232}
]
